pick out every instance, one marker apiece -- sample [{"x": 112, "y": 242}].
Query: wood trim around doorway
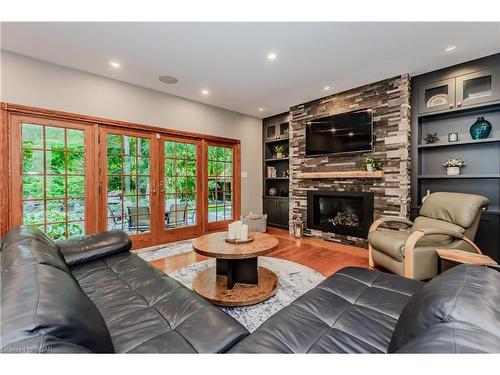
[{"x": 9, "y": 112}]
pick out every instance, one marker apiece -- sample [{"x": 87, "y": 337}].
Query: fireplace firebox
[{"x": 348, "y": 213}]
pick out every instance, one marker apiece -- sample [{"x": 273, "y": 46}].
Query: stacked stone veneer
[{"x": 390, "y": 102}]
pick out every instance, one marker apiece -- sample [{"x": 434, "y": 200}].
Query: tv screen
[{"x": 342, "y": 133}]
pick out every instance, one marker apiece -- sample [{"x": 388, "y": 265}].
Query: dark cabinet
[
  {"x": 276, "y": 131},
  {"x": 467, "y": 90},
  {"x": 487, "y": 235},
  {"x": 436, "y": 96},
  {"x": 277, "y": 212},
  {"x": 478, "y": 87}
]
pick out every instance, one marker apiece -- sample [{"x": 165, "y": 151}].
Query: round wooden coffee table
[{"x": 236, "y": 280}]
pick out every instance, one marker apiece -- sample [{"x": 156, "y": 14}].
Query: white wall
[{"x": 27, "y": 81}]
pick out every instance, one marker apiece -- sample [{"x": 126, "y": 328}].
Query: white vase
[
  {"x": 369, "y": 167},
  {"x": 279, "y": 155},
  {"x": 452, "y": 171}
]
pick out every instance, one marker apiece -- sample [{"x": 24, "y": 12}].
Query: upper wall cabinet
[
  {"x": 478, "y": 87},
  {"x": 276, "y": 131},
  {"x": 436, "y": 96},
  {"x": 467, "y": 90}
]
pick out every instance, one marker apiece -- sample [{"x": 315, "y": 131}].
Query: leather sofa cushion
[
  {"x": 452, "y": 299},
  {"x": 94, "y": 246},
  {"x": 353, "y": 311},
  {"x": 456, "y": 208},
  {"x": 27, "y": 245},
  {"x": 146, "y": 311},
  {"x": 44, "y": 309}
]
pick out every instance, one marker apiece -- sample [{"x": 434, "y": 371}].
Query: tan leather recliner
[{"x": 446, "y": 220}]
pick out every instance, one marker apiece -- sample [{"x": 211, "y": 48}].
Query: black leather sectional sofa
[{"x": 91, "y": 294}]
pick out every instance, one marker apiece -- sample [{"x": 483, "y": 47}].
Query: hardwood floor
[{"x": 322, "y": 256}]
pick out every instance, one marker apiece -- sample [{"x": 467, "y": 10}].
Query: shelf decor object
[
  {"x": 273, "y": 192},
  {"x": 438, "y": 99},
  {"x": 453, "y": 137},
  {"x": 371, "y": 165},
  {"x": 453, "y": 166},
  {"x": 431, "y": 138},
  {"x": 279, "y": 151},
  {"x": 480, "y": 129}
]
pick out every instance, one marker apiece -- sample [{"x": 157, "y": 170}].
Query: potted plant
[
  {"x": 279, "y": 151},
  {"x": 371, "y": 165},
  {"x": 453, "y": 166}
]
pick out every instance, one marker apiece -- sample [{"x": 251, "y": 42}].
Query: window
[
  {"x": 53, "y": 179},
  {"x": 220, "y": 183},
  {"x": 128, "y": 183}
]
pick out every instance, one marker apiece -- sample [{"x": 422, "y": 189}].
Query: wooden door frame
[
  {"x": 192, "y": 231},
  {"x": 7, "y": 157},
  {"x": 15, "y": 168}
]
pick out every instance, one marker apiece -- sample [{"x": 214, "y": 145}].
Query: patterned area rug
[{"x": 294, "y": 280}]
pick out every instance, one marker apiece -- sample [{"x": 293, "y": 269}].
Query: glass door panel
[
  {"x": 180, "y": 184},
  {"x": 437, "y": 96},
  {"x": 128, "y": 183},
  {"x": 220, "y": 183},
  {"x": 53, "y": 177},
  {"x": 478, "y": 87},
  {"x": 180, "y": 187}
]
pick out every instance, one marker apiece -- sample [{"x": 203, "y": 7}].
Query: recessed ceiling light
[
  {"x": 261, "y": 109},
  {"x": 168, "y": 79},
  {"x": 326, "y": 88},
  {"x": 205, "y": 92},
  {"x": 450, "y": 48},
  {"x": 272, "y": 56},
  {"x": 114, "y": 64}
]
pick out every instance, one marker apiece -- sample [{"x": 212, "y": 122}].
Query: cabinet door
[
  {"x": 436, "y": 96},
  {"x": 284, "y": 213},
  {"x": 487, "y": 236},
  {"x": 273, "y": 211},
  {"x": 478, "y": 87},
  {"x": 271, "y": 132}
]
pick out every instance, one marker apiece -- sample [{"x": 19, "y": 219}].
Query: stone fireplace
[
  {"x": 389, "y": 101},
  {"x": 344, "y": 213}
]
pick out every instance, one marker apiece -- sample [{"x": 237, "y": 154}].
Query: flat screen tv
[{"x": 349, "y": 132}]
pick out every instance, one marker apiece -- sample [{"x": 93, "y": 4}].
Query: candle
[
  {"x": 231, "y": 231},
  {"x": 237, "y": 225},
  {"x": 244, "y": 232}
]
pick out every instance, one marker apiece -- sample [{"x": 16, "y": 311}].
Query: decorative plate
[
  {"x": 438, "y": 99},
  {"x": 238, "y": 241}
]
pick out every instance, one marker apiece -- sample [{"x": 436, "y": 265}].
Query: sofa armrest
[
  {"x": 94, "y": 246},
  {"x": 431, "y": 231}
]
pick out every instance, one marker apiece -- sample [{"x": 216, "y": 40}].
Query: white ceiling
[{"x": 230, "y": 59}]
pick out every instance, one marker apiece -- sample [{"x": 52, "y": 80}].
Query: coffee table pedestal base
[{"x": 214, "y": 288}]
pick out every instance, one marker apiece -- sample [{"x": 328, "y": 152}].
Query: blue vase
[{"x": 480, "y": 129}]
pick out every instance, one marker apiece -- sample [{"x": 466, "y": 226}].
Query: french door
[
  {"x": 181, "y": 185},
  {"x": 128, "y": 183},
  {"x": 70, "y": 178},
  {"x": 52, "y": 185}
]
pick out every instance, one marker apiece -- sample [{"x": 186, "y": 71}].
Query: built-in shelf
[
  {"x": 277, "y": 159},
  {"x": 277, "y": 178},
  {"x": 277, "y": 140},
  {"x": 274, "y": 197},
  {"x": 486, "y": 175},
  {"x": 341, "y": 174},
  {"x": 460, "y": 143}
]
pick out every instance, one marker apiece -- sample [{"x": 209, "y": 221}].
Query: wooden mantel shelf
[{"x": 342, "y": 174}]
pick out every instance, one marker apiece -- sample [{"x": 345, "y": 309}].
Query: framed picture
[{"x": 452, "y": 137}]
